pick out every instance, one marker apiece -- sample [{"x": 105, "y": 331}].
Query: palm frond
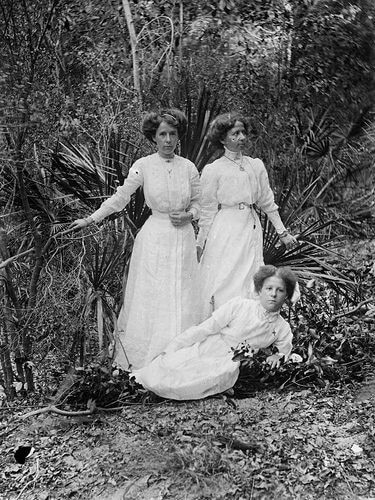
[
  {"x": 103, "y": 254},
  {"x": 310, "y": 258},
  {"x": 76, "y": 171},
  {"x": 300, "y": 205},
  {"x": 360, "y": 122},
  {"x": 316, "y": 247},
  {"x": 314, "y": 129},
  {"x": 318, "y": 148},
  {"x": 195, "y": 145}
]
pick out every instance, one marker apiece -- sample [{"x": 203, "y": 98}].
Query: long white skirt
[
  {"x": 194, "y": 372},
  {"x": 232, "y": 255},
  {"x": 161, "y": 292}
]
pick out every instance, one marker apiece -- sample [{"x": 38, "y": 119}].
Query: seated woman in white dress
[{"x": 198, "y": 362}]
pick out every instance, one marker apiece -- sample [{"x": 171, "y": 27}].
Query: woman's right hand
[
  {"x": 180, "y": 218},
  {"x": 80, "y": 223}
]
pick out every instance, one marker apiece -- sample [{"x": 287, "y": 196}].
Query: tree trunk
[
  {"x": 5, "y": 324},
  {"x": 27, "y": 339},
  {"x": 6, "y": 367},
  {"x": 181, "y": 32},
  {"x": 134, "y": 47}
]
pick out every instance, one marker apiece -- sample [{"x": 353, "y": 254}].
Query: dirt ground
[{"x": 310, "y": 445}]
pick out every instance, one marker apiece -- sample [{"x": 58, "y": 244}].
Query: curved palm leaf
[
  {"x": 195, "y": 145},
  {"x": 76, "y": 171},
  {"x": 309, "y": 259}
]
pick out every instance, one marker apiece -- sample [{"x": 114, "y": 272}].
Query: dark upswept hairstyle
[
  {"x": 222, "y": 124},
  {"x": 285, "y": 273},
  {"x": 172, "y": 116}
]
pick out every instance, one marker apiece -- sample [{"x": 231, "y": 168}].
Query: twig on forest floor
[
  {"x": 346, "y": 479},
  {"x": 54, "y": 409},
  {"x": 90, "y": 411},
  {"x": 351, "y": 311},
  {"x": 79, "y": 413},
  {"x": 252, "y": 489}
]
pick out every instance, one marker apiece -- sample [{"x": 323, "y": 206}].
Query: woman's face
[
  {"x": 235, "y": 137},
  {"x": 166, "y": 138},
  {"x": 272, "y": 294}
]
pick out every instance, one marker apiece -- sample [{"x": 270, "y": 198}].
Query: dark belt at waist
[{"x": 240, "y": 206}]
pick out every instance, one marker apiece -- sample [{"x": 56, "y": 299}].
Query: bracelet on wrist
[
  {"x": 283, "y": 234},
  {"x": 89, "y": 220}
]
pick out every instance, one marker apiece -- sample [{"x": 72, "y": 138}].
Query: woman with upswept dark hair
[
  {"x": 199, "y": 362},
  {"x": 173, "y": 117},
  {"x": 230, "y": 234},
  {"x": 221, "y": 126},
  {"x": 160, "y": 298}
]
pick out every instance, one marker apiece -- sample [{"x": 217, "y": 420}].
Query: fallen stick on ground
[{"x": 53, "y": 409}]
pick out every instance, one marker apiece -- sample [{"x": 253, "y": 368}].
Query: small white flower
[
  {"x": 357, "y": 450},
  {"x": 295, "y": 358}
]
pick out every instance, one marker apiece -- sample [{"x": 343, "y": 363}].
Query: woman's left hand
[
  {"x": 289, "y": 241},
  {"x": 274, "y": 360},
  {"x": 181, "y": 218}
]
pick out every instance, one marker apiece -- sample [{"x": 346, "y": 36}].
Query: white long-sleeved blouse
[
  {"x": 238, "y": 320},
  {"x": 169, "y": 186},
  {"x": 224, "y": 183}
]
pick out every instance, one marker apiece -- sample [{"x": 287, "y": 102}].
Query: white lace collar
[
  {"x": 269, "y": 316},
  {"x": 233, "y": 155}
]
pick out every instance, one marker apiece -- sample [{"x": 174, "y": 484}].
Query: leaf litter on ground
[{"x": 282, "y": 438}]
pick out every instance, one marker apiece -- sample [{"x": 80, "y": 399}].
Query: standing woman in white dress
[
  {"x": 230, "y": 234},
  {"x": 160, "y": 298}
]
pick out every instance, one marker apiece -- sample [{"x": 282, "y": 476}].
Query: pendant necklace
[
  {"x": 169, "y": 167},
  {"x": 236, "y": 163},
  {"x": 270, "y": 320},
  {"x": 168, "y": 162}
]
